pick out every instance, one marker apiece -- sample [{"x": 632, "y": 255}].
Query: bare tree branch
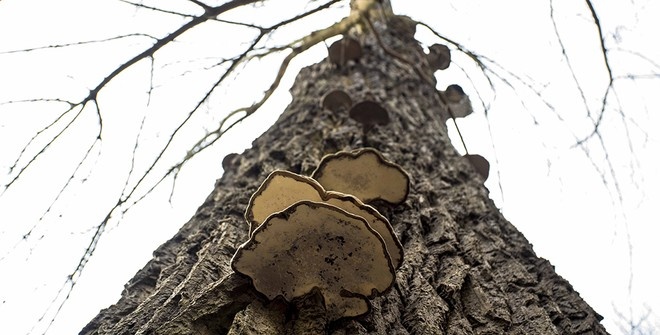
[{"x": 66, "y": 45}]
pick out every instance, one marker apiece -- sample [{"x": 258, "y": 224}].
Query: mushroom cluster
[
  {"x": 318, "y": 235},
  {"x": 367, "y": 112}
]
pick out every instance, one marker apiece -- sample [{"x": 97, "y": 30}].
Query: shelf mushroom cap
[
  {"x": 364, "y": 173},
  {"x": 313, "y": 245},
  {"x": 282, "y": 189}
]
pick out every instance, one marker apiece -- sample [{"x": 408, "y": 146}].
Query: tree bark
[{"x": 466, "y": 269}]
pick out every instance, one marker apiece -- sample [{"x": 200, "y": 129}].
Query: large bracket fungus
[
  {"x": 316, "y": 246},
  {"x": 308, "y": 242},
  {"x": 281, "y": 189},
  {"x": 364, "y": 173}
]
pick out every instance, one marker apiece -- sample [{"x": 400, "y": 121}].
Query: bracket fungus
[
  {"x": 349, "y": 257},
  {"x": 282, "y": 189},
  {"x": 439, "y": 57},
  {"x": 364, "y": 173},
  {"x": 337, "y": 101},
  {"x": 480, "y": 164},
  {"x": 341, "y": 51}
]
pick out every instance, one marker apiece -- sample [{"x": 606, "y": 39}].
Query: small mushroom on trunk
[
  {"x": 341, "y": 51},
  {"x": 480, "y": 164},
  {"x": 457, "y": 101},
  {"x": 364, "y": 173},
  {"x": 368, "y": 113},
  {"x": 439, "y": 57},
  {"x": 337, "y": 101},
  {"x": 402, "y": 24},
  {"x": 229, "y": 162},
  {"x": 315, "y": 246}
]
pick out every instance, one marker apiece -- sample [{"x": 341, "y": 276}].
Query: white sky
[{"x": 551, "y": 191}]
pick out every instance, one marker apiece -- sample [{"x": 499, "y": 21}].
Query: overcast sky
[{"x": 565, "y": 202}]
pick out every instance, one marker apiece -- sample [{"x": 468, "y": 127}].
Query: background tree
[{"x": 91, "y": 108}]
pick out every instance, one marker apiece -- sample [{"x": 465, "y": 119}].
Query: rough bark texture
[{"x": 466, "y": 269}]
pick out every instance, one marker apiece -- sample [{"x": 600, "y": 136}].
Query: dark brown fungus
[
  {"x": 454, "y": 93},
  {"x": 229, "y": 162},
  {"x": 344, "y": 50},
  {"x": 457, "y": 101},
  {"x": 337, "y": 101},
  {"x": 480, "y": 165},
  {"x": 369, "y": 114},
  {"x": 402, "y": 24},
  {"x": 439, "y": 57}
]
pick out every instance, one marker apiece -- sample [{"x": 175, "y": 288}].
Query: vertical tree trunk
[{"x": 466, "y": 269}]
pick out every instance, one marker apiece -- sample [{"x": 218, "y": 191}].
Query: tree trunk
[{"x": 466, "y": 269}]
